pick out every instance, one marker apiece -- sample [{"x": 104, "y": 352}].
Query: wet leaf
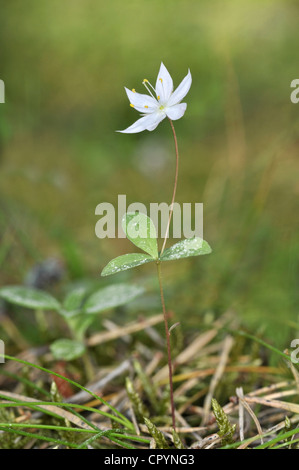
[
  {"x": 67, "y": 349},
  {"x": 111, "y": 296},
  {"x": 185, "y": 248},
  {"x": 141, "y": 231},
  {"x": 73, "y": 302},
  {"x": 29, "y": 297},
  {"x": 124, "y": 262}
]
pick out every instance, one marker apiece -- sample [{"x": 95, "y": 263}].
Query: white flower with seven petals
[{"x": 166, "y": 103}]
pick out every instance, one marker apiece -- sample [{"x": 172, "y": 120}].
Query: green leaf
[
  {"x": 124, "y": 262},
  {"x": 29, "y": 297},
  {"x": 184, "y": 249},
  {"x": 141, "y": 231},
  {"x": 67, "y": 349},
  {"x": 73, "y": 302},
  {"x": 111, "y": 296}
]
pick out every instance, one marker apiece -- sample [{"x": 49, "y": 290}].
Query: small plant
[
  {"x": 79, "y": 310},
  {"x": 226, "y": 430},
  {"x": 162, "y": 102}
]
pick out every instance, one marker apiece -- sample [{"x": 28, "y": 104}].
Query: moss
[{"x": 226, "y": 429}]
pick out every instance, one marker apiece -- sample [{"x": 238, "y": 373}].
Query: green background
[{"x": 65, "y": 64}]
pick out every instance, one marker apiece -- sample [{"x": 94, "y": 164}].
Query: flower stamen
[
  {"x": 145, "y": 81},
  {"x": 161, "y": 80},
  {"x": 132, "y": 106}
]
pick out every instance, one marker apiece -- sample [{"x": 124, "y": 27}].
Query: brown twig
[{"x": 100, "y": 338}]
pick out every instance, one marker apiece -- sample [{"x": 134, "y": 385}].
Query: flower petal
[
  {"x": 164, "y": 84},
  {"x": 148, "y": 122},
  {"x": 158, "y": 118},
  {"x": 176, "y": 112},
  {"x": 142, "y": 103},
  {"x": 181, "y": 90}
]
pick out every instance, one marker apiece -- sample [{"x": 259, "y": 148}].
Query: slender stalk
[
  {"x": 175, "y": 184},
  {"x": 167, "y": 343},
  {"x": 41, "y": 321},
  {"x": 89, "y": 370},
  {"x": 160, "y": 274}
]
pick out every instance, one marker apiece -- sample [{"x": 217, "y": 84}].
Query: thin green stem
[
  {"x": 160, "y": 274},
  {"x": 124, "y": 420},
  {"x": 41, "y": 321},
  {"x": 26, "y": 382},
  {"x": 49, "y": 426},
  {"x": 13, "y": 428},
  {"x": 40, "y": 406},
  {"x": 38, "y": 436},
  {"x": 167, "y": 343},
  {"x": 175, "y": 185},
  {"x": 89, "y": 370}
]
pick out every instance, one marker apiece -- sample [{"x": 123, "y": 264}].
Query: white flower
[{"x": 166, "y": 103}]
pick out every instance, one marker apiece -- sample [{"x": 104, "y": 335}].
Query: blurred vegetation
[{"x": 65, "y": 64}]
